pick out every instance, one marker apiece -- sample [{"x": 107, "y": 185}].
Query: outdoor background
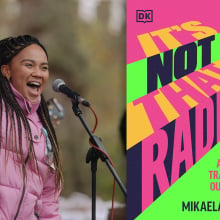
[{"x": 85, "y": 40}]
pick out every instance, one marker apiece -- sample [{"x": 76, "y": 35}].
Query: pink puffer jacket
[{"x": 20, "y": 199}]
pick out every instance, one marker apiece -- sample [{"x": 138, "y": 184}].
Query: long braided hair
[{"x": 9, "y": 47}]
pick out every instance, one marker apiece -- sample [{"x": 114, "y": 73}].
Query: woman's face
[{"x": 28, "y": 72}]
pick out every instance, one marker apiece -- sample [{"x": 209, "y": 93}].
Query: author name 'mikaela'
[{"x": 200, "y": 206}]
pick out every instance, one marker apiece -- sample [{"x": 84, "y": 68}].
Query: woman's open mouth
[{"x": 34, "y": 87}]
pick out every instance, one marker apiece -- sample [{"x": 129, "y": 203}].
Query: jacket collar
[{"x": 27, "y": 106}]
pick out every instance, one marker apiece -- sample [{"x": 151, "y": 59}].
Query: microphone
[{"x": 60, "y": 86}]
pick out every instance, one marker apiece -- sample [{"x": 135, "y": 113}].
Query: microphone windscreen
[{"x": 57, "y": 83}]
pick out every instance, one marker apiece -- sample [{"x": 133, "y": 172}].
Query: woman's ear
[{"x": 5, "y": 71}]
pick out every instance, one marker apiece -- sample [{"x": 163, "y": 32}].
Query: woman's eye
[
  {"x": 28, "y": 64},
  {"x": 44, "y": 68}
]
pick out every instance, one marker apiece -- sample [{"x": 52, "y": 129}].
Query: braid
[
  {"x": 16, "y": 117},
  {"x": 45, "y": 119}
]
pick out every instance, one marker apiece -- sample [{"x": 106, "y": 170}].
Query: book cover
[{"x": 173, "y": 114}]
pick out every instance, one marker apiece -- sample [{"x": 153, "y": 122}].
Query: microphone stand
[{"x": 93, "y": 155}]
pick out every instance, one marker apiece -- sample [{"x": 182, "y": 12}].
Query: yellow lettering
[
  {"x": 201, "y": 31},
  {"x": 168, "y": 39},
  {"x": 148, "y": 45}
]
